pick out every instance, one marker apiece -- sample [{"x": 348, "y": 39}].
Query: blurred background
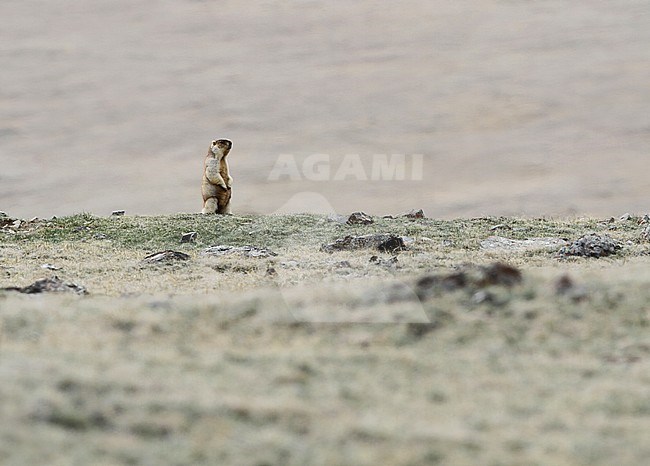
[{"x": 517, "y": 106}]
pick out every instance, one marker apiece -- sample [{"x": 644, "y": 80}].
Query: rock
[
  {"x": 166, "y": 256},
  {"x": 500, "y": 226},
  {"x": 118, "y": 213},
  {"x": 414, "y": 214},
  {"x": 359, "y": 218},
  {"x": 392, "y": 244},
  {"x": 189, "y": 237},
  {"x": 591, "y": 245},
  {"x": 625, "y": 217},
  {"x": 380, "y": 241},
  {"x": 49, "y": 285},
  {"x": 270, "y": 271},
  {"x": 426, "y": 286},
  {"x": 500, "y": 274},
  {"x": 247, "y": 251}
]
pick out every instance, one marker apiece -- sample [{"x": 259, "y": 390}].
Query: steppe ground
[{"x": 309, "y": 357}]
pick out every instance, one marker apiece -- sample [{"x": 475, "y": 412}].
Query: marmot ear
[{"x": 214, "y": 142}]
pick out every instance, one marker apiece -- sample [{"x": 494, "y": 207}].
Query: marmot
[{"x": 217, "y": 182}]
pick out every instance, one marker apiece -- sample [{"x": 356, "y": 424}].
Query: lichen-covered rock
[{"x": 591, "y": 245}]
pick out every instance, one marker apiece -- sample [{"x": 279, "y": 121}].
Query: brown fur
[{"x": 216, "y": 184}]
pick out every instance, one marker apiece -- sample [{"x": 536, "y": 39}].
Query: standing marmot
[{"x": 217, "y": 182}]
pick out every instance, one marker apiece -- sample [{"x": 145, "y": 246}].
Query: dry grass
[{"x": 332, "y": 359}]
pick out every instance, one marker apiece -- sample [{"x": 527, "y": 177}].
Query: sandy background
[{"x": 519, "y": 107}]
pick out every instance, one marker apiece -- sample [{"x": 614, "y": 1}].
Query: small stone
[
  {"x": 118, "y": 213},
  {"x": 271, "y": 272},
  {"x": 625, "y": 217},
  {"x": 359, "y": 218},
  {"x": 500, "y": 226},
  {"x": 189, "y": 237},
  {"x": 482, "y": 296}
]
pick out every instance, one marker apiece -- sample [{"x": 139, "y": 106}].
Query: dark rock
[
  {"x": 500, "y": 274},
  {"x": 49, "y": 285},
  {"x": 426, "y": 286},
  {"x": 591, "y": 245},
  {"x": 359, "y": 218},
  {"x": 118, "y": 213},
  {"x": 166, "y": 256},
  {"x": 381, "y": 241},
  {"x": 189, "y": 237},
  {"x": 414, "y": 214}
]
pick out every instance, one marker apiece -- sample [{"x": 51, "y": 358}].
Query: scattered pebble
[
  {"x": 166, "y": 256},
  {"x": 591, "y": 245},
  {"x": 247, "y": 251},
  {"x": 359, "y": 218}
]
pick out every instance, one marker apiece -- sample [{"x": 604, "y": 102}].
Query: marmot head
[{"x": 220, "y": 147}]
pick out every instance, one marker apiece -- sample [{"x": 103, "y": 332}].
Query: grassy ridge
[{"x": 311, "y": 230}]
